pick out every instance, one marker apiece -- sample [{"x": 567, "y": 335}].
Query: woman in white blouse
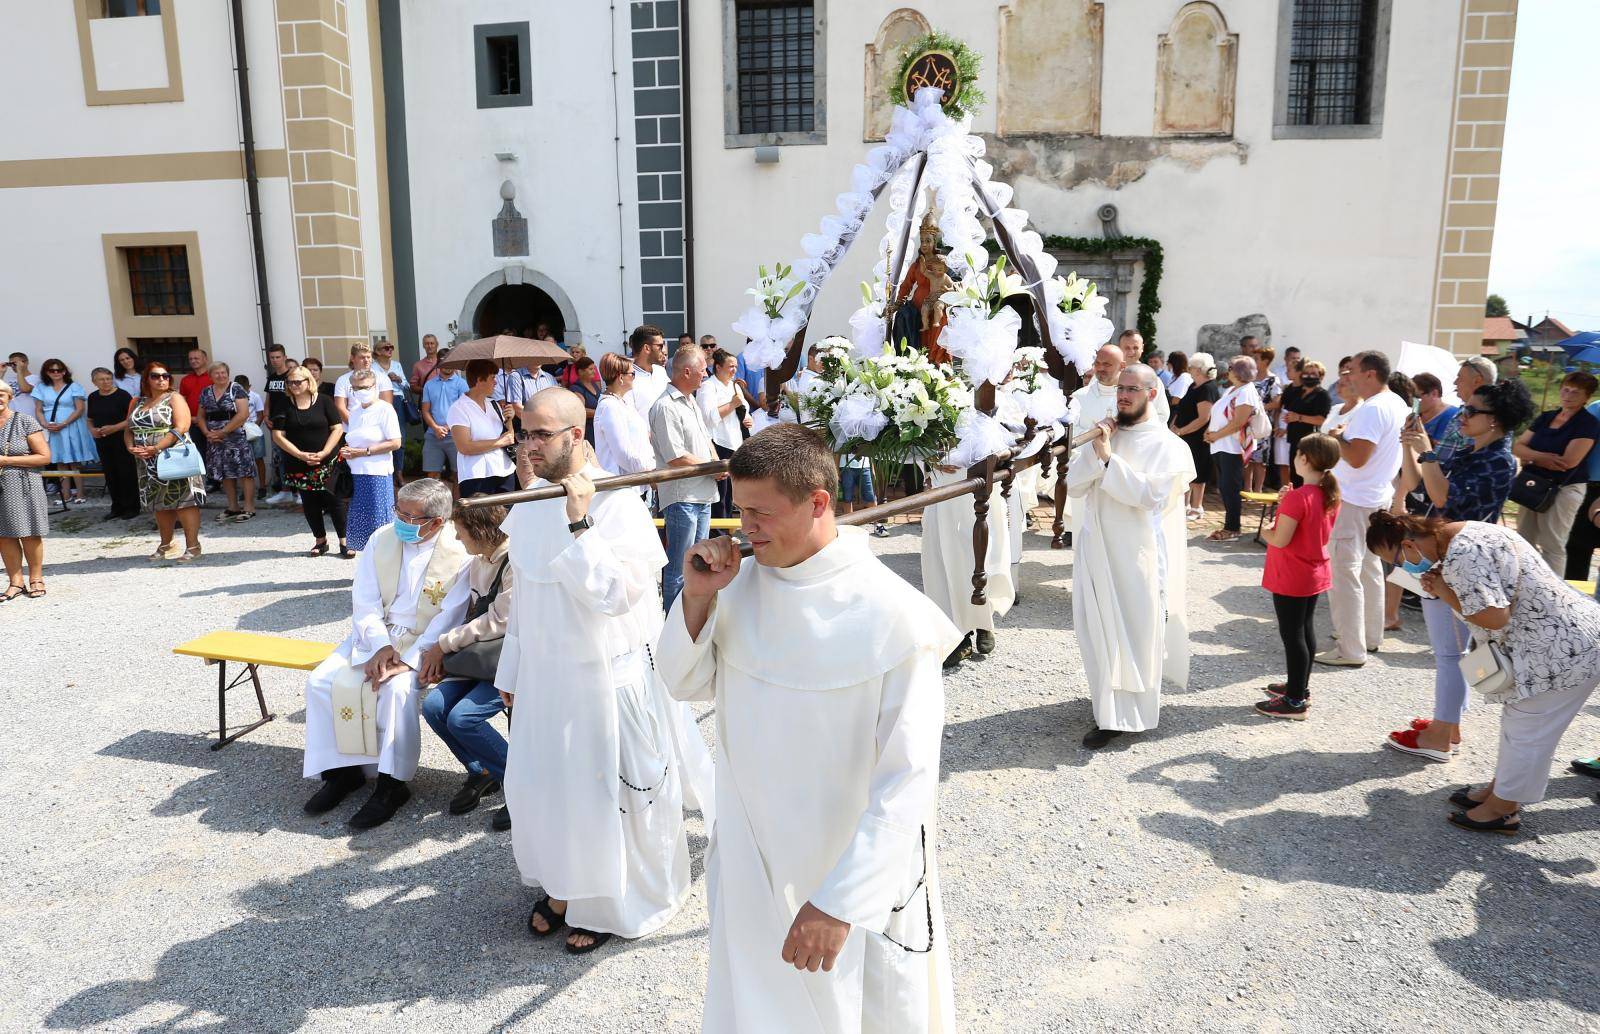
[
  {"x": 621, "y": 436},
  {"x": 721, "y": 399},
  {"x": 370, "y": 441}
]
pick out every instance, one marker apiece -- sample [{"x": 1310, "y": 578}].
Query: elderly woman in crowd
[
  {"x": 226, "y": 407},
  {"x": 370, "y": 441},
  {"x": 1470, "y": 484},
  {"x": 1191, "y": 413},
  {"x": 1228, "y": 433},
  {"x": 1554, "y": 450},
  {"x": 61, "y": 405},
  {"x": 463, "y": 664},
  {"x": 24, "y": 516},
  {"x": 159, "y": 420},
  {"x": 1544, "y": 631},
  {"x": 308, "y": 430},
  {"x": 621, "y": 435}
]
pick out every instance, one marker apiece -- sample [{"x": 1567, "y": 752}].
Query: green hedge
[{"x": 1149, "y": 290}]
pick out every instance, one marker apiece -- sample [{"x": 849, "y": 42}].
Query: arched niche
[
  {"x": 518, "y": 274},
  {"x": 1196, "y": 65},
  {"x": 897, "y": 29}
]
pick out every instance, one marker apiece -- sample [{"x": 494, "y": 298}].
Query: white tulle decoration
[
  {"x": 1014, "y": 219},
  {"x": 985, "y": 344},
  {"x": 1000, "y": 194},
  {"x": 1048, "y": 404},
  {"x": 867, "y": 330},
  {"x": 768, "y": 338},
  {"x": 857, "y": 416},
  {"x": 1046, "y": 264},
  {"x": 1085, "y": 333},
  {"x": 980, "y": 436},
  {"x": 1029, "y": 242}
]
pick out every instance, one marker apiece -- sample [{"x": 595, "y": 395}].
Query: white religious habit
[
  {"x": 404, "y": 596},
  {"x": 827, "y": 775},
  {"x": 947, "y": 559},
  {"x": 1128, "y": 579},
  {"x": 594, "y": 778}
]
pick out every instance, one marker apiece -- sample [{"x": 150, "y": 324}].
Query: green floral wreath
[{"x": 968, "y": 97}]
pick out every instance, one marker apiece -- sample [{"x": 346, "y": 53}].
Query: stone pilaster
[{"x": 1472, "y": 186}]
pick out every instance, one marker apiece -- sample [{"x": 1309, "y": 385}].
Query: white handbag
[
  {"x": 1486, "y": 667},
  {"x": 252, "y": 431}
]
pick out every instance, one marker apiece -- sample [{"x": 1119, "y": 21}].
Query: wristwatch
[
  {"x": 1428, "y": 457},
  {"x": 583, "y": 525}
]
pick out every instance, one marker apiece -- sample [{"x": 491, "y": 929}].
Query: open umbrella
[
  {"x": 1587, "y": 354},
  {"x": 506, "y": 352},
  {"x": 1578, "y": 342}
]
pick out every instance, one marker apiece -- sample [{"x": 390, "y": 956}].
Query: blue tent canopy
[{"x": 1580, "y": 342}]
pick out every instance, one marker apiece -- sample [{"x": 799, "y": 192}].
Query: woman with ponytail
[
  {"x": 1545, "y": 630},
  {"x": 1463, "y": 484},
  {"x": 1297, "y": 572}
]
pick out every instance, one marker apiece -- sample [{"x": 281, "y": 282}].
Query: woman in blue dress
[{"x": 62, "y": 406}]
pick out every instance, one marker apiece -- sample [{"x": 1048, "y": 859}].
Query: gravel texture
[{"x": 1226, "y": 872}]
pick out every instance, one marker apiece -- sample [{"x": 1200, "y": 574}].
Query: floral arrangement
[
  {"x": 1036, "y": 392},
  {"x": 967, "y": 97},
  {"x": 895, "y": 407},
  {"x": 771, "y": 324},
  {"x": 1076, "y": 311}
]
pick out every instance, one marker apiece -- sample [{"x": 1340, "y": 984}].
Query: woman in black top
[
  {"x": 1189, "y": 420},
  {"x": 108, "y": 416},
  {"x": 1305, "y": 411},
  {"x": 309, "y": 435}
]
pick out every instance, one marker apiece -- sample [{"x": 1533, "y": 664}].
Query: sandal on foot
[
  {"x": 1462, "y": 799},
  {"x": 599, "y": 939},
  {"x": 1499, "y": 824},
  {"x": 12, "y": 592},
  {"x": 320, "y": 549},
  {"x": 34, "y": 593},
  {"x": 189, "y": 554},
  {"x": 554, "y": 919},
  {"x": 1406, "y": 741}
]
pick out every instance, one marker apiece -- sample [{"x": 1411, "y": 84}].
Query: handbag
[
  {"x": 479, "y": 660},
  {"x": 180, "y": 460},
  {"x": 1486, "y": 667},
  {"x": 252, "y": 431},
  {"x": 341, "y": 483},
  {"x": 1536, "y": 488}
]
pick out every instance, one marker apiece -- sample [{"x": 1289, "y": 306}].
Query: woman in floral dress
[
  {"x": 159, "y": 420},
  {"x": 229, "y": 459}
]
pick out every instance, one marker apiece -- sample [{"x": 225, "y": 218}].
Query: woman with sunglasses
[
  {"x": 308, "y": 433},
  {"x": 160, "y": 419},
  {"x": 1465, "y": 479},
  {"x": 61, "y": 405}
]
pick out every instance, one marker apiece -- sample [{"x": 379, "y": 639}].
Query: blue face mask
[
  {"x": 1420, "y": 568},
  {"x": 407, "y": 533}
]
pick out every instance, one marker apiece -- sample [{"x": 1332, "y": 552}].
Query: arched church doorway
[{"x": 518, "y": 309}]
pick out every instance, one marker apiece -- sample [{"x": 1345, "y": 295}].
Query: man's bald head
[
  {"x": 1142, "y": 375},
  {"x": 1136, "y": 388},
  {"x": 563, "y": 407},
  {"x": 1108, "y": 363}
]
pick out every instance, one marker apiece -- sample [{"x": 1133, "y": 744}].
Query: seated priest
[{"x": 361, "y": 703}]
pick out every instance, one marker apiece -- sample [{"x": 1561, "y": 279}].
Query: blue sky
[{"x": 1547, "y": 230}]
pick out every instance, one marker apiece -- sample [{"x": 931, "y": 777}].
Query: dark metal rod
[{"x": 252, "y": 192}]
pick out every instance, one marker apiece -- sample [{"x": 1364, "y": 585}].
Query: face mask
[
  {"x": 407, "y": 533},
  {"x": 1419, "y": 568},
  {"x": 365, "y": 396},
  {"x": 1311, "y": 382}
]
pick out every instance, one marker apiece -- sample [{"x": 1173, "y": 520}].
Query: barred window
[
  {"x": 776, "y": 43},
  {"x": 1330, "y": 62},
  {"x": 171, "y": 352},
  {"x": 505, "y": 65},
  {"x": 158, "y": 279}
]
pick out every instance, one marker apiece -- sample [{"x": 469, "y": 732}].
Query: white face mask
[{"x": 365, "y": 396}]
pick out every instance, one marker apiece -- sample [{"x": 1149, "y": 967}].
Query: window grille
[
  {"x": 1330, "y": 62},
  {"x": 776, "y": 47},
  {"x": 158, "y": 279}
]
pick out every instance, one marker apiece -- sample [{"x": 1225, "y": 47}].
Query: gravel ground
[{"x": 1225, "y": 873}]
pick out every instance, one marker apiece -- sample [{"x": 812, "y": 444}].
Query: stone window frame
[
  {"x": 1373, "y": 128},
  {"x": 818, "y": 134},
  {"x": 483, "y": 75},
  {"x": 125, "y": 325},
  {"x": 85, "y": 11}
]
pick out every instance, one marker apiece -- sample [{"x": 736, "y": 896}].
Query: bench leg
[
  {"x": 1266, "y": 508},
  {"x": 223, "y": 685}
]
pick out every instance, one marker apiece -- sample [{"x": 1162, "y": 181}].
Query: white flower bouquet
[
  {"x": 774, "y": 321},
  {"x": 896, "y": 407},
  {"x": 1077, "y": 316}
]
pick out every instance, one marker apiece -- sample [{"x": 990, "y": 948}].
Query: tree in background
[{"x": 1495, "y": 305}]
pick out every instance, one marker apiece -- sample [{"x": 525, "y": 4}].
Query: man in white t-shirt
[
  {"x": 360, "y": 359},
  {"x": 1369, "y": 447},
  {"x": 649, "y": 348}
]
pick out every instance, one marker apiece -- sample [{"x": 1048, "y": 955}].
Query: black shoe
[
  {"x": 1587, "y": 766},
  {"x": 1283, "y": 707},
  {"x": 337, "y": 784},
  {"x": 386, "y": 799},
  {"x": 959, "y": 654},
  {"x": 1410, "y": 600},
  {"x": 1461, "y": 799},
  {"x": 502, "y": 820},
  {"x": 1097, "y": 737},
  {"x": 985, "y": 642},
  {"x": 477, "y": 786}
]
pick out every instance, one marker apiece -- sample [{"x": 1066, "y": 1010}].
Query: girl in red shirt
[{"x": 1297, "y": 570}]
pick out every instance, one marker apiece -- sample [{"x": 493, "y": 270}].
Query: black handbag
[
  {"x": 479, "y": 660},
  {"x": 1536, "y": 488},
  {"x": 341, "y": 483}
]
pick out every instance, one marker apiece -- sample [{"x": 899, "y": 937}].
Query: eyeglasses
[
  {"x": 544, "y": 437},
  {"x": 1124, "y": 389},
  {"x": 160, "y": 376},
  {"x": 1469, "y": 411}
]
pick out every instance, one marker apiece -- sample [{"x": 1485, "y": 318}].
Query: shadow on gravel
[
  {"x": 378, "y": 928},
  {"x": 1240, "y": 784},
  {"x": 301, "y": 610},
  {"x": 210, "y": 556},
  {"x": 274, "y": 587},
  {"x": 1533, "y": 933}
]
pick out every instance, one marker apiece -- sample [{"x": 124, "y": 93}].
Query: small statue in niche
[{"x": 925, "y": 281}]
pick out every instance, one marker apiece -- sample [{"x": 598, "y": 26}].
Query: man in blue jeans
[{"x": 681, "y": 439}]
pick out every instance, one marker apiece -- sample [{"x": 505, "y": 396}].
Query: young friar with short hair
[
  {"x": 1128, "y": 576},
  {"x": 593, "y": 778},
  {"x": 824, "y": 666}
]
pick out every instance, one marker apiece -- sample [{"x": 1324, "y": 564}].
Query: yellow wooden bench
[
  {"x": 61, "y": 496},
  {"x": 252, "y": 651},
  {"x": 717, "y": 523},
  {"x": 1269, "y": 506},
  {"x": 1587, "y": 588}
]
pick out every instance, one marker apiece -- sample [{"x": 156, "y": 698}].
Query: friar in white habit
[
  {"x": 947, "y": 565},
  {"x": 362, "y": 707},
  {"x": 824, "y": 665},
  {"x": 593, "y": 777},
  {"x": 1128, "y": 569}
]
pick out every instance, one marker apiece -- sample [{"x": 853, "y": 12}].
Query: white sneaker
[{"x": 280, "y": 499}]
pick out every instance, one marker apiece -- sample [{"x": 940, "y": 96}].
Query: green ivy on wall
[{"x": 1149, "y": 290}]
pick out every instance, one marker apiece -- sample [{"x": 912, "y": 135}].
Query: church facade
[{"x": 1325, "y": 172}]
